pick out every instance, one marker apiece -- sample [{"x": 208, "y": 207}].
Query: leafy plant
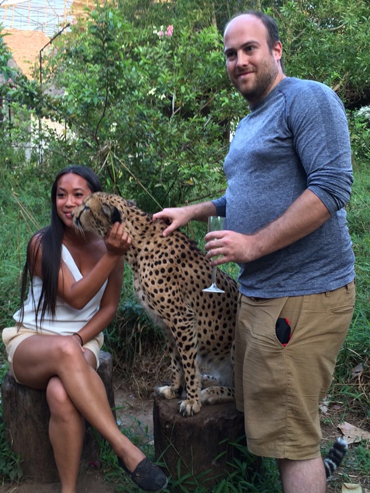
[{"x": 9, "y": 463}]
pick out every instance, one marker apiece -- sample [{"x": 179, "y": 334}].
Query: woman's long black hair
[{"x": 50, "y": 239}]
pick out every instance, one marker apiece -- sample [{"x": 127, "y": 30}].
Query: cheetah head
[{"x": 97, "y": 214}]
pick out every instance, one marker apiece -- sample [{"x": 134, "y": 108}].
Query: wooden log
[
  {"x": 26, "y": 417},
  {"x": 199, "y": 446}
]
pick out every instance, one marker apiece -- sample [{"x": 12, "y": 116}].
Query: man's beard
[{"x": 265, "y": 77}]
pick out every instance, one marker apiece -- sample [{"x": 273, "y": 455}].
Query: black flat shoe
[{"x": 146, "y": 476}]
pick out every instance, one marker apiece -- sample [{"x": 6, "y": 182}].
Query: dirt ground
[{"x": 89, "y": 483}]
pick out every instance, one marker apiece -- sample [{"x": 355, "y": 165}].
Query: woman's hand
[
  {"x": 117, "y": 240},
  {"x": 76, "y": 337}
]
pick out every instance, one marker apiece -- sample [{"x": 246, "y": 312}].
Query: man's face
[{"x": 252, "y": 67}]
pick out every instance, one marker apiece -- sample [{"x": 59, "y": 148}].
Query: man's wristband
[{"x": 78, "y": 335}]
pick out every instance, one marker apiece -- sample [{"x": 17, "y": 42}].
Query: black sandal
[{"x": 146, "y": 476}]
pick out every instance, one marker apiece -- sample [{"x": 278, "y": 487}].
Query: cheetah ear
[{"x": 112, "y": 213}]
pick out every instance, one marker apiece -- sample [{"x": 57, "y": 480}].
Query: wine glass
[{"x": 215, "y": 223}]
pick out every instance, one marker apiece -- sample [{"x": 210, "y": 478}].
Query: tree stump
[
  {"x": 201, "y": 446},
  {"x": 26, "y": 418}
]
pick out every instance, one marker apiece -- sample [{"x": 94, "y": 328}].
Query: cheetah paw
[
  {"x": 168, "y": 392},
  {"x": 189, "y": 407}
]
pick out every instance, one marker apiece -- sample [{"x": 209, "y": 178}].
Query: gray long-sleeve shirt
[{"x": 296, "y": 138}]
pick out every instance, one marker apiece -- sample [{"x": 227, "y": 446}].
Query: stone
[
  {"x": 26, "y": 418},
  {"x": 200, "y": 446}
]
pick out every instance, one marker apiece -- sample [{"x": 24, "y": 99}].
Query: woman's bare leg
[
  {"x": 39, "y": 358},
  {"x": 66, "y": 433}
]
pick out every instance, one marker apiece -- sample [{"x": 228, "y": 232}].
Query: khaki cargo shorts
[
  {"x": 13, "y": 336},
  {"x": 279, "y": 387}
]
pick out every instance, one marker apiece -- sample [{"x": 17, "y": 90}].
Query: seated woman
[{"x": 73, "y": 295}]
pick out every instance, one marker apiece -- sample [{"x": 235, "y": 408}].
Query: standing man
[{"x": 289, "y": 178}]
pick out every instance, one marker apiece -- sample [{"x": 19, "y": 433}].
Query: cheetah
[{"x": 169, "y": 275}]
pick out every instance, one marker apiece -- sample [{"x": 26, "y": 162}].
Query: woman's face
[{"x": 71, "y": 190}]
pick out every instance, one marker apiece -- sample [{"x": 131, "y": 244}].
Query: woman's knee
[
  {"x": 69, "y": 352},
  {"x": 60, "y": 404}
]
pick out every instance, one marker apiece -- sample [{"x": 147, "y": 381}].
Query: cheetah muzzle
[{"x": 169, "y": 275}]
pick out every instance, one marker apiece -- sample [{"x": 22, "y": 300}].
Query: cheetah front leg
[
  {"x": 187, "y": 348},
  {"x": 183, "y": 334},
  {"x": 149, "y": 302},
  {"x": 174, "y": 390}
]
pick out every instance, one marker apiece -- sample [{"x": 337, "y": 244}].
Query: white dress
[{"x": 67, "y": 319}]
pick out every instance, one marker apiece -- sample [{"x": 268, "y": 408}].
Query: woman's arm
[
  {"x": 108, "y": 305},
  {"x": 78, "y": 293}
]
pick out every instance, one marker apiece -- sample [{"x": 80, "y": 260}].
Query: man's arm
[
  {"x": 180, "y": 216},
  {"x": 303, "y": 217}
]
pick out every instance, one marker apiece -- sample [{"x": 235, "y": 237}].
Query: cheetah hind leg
[
  {"x": 209, "y": 381},
  {"x": 212, "y": 392},
  {"x": 175, "y": 390},
  {"x": 216, "y": 394}
]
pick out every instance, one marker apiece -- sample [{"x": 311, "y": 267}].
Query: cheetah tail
[{"x": 335, "y": 456}]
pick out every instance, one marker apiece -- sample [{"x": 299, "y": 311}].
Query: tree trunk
[
  {"x": 201, "y": 446},
  {"x": 26, "y": 418}
]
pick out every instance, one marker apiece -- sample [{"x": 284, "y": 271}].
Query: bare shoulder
[{"x": 35, "y": 242}]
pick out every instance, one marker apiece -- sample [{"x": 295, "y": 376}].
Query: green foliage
[
  {"x": 132, "y": 334},
  {"x": 320, "y": 39},
  {"x": 152, "y": 112},
  {"x": 362, "y": 454},
  {"x": 24, "y": 208},
  {"x": 5, "y": 56},
  {"x": 359, "y": 226},
  {"x": 9, "y": 463},
  {"x": 354, "y": 394},
  {"x": 154, "y": 108}
]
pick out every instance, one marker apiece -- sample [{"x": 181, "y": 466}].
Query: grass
[
  {"x": 109, "y": 465},
  {"x": 9, "y": 463},
  {"x": 240, "y": 479}
]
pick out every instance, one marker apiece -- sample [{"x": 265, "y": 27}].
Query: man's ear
[{"x": 278, "y": 50}]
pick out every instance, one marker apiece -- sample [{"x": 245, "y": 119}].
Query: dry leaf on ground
[
  {"x": 351, "y": 488},
  {"x": 357, "y": 371},
  {"x": 353, "y": 434}
]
